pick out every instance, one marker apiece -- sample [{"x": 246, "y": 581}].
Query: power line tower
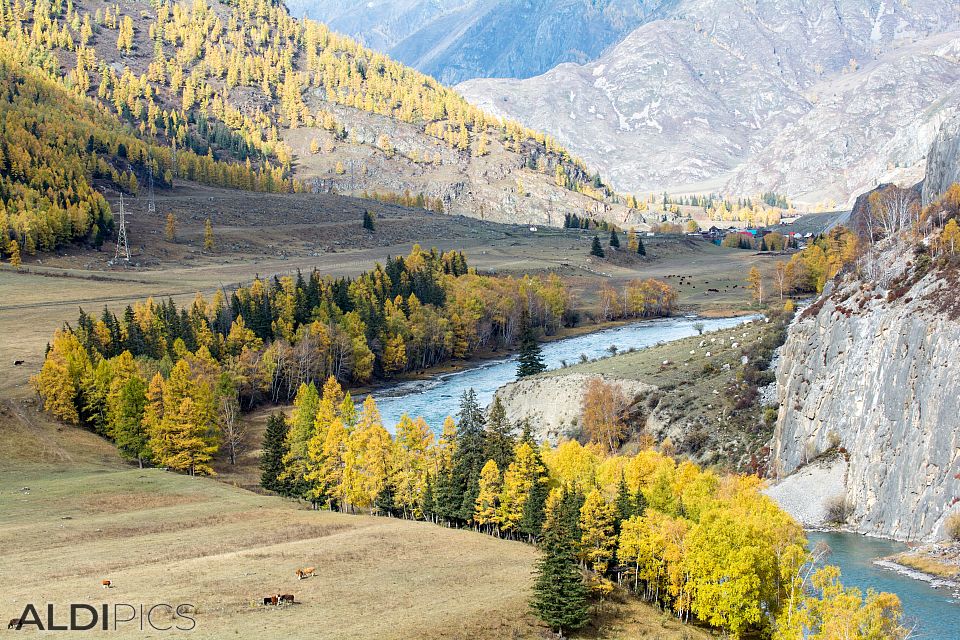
[
  {"x": 123, "y": 251},
  {"x": 151, "y": 203}
]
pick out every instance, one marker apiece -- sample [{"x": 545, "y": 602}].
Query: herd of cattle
[{"x": 278, "y": 600}]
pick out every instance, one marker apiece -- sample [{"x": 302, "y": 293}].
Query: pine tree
[
  {"x": 499, "y": 438},
  {"x": 468, "y": 458},
  {"x": 368, "y": 221},
  {"x": 559, "y": 595},
  {"x": 126, "y": 420},
  {"x": 271, "y": 458},
  {"x": 614, "y": 239},
  {"x": 207, "y": 235},
  {"x": 641, "y": 250},
  {"x": 530, "y": 361},
  {"x": 596, "y": 249},
  {"x": 639, "y": 503},
  {"x": 623, "y": 504}
]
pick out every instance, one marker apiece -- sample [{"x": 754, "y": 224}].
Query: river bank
[
  {"x": 932, "y": 606},
  {"x": 437, "y": 396}
]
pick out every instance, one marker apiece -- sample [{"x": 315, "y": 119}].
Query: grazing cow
[
  {"x": 287, "y": 597},
  {"x": 17, "y": 363},
  {"x": 271, "y": 600},
  {"x": 106, "y": 584},
  {"x": 14, "y": 624},
  {"x": 305, "y": 572}
]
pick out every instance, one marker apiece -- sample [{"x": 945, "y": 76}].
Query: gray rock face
[
  {"x": 455, "y": 40},
  {"x": 878, "y": 380},
  {"x": 553, "y": 403},
  {"x": 815, "y": 100},
  {"x": 943, "y": 161}
]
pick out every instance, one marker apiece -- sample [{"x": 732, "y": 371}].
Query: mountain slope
[
  {"x": 684, "y": 101},
  {"x": 250, "y": 98},
  {"x": 454, "y": 40}
]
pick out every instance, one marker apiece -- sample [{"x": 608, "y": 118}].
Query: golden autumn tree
[
  {"x": 207, "y": 235},
  {"x": 518, "y": 480},
  {"x": 184, "y": 437},
  {"x": 170, "y": 229},
  {"x": 59, "y": 382},
  {"x": 949, "y": 238},
  {"x": 13, "y": 248},
  {"x": 599, "y": 538},
  {"x": 755, "y": 283},
  {"x": 487, "y": 510},
  {"x": 602, "y": 411}
]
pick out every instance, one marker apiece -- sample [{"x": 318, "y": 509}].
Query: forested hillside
[{"x": 176, "y": 88}]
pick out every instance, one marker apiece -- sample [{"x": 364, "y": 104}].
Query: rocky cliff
[
  {"x": 943, "y": 161},
  {"x": 870, "y": 373}
]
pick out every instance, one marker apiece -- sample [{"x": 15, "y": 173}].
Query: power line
[{"x": 122, "y": 249}]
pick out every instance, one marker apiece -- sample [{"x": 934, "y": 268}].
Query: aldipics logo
[{"x": 106, "y": 617}]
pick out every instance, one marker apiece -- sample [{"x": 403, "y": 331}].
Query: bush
[
  {"x": 838, "y": 510},
  {"x": 952, "y": 527},
  {"x": 770, "y": 416}
]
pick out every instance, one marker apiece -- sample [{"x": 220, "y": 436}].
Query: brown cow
[
  {"x": 306, "y": 572},
  {"x": 14, "y": 624},
  {"x": 287, "y": 597},
  {"x": 270, "y": 600},
  {"x": 106, "y": 584}
]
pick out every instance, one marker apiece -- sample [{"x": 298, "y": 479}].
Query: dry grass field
[{"x": 72, "y": 513}]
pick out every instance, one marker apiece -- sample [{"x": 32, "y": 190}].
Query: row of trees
[
  {"x": 269, "y": 338},
  {"x": 704, "y": 546},
  {"x": 773, "y": 241},
  {"x": 638, "y": 299}
]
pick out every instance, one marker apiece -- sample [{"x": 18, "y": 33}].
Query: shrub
[
  {"x": 838, "y": 510},
  {"x": 770, "y": 416},
  {"x": 952, "y": 527}
]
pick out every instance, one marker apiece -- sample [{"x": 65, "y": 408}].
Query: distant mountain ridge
[
  {"x": 456, "y": 40},
  {"x": 819, "y": 101}
]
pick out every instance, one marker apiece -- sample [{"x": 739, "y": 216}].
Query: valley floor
[{"x": 72, "y": 513}]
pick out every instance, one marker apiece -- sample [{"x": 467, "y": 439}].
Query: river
[
  {"x": 937, "y": 617},
  {"x": 935, "y": 611},
  {"x": 439, "y": 397}
]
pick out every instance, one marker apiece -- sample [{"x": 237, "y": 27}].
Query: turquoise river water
[{"x": 935, "y": 611}]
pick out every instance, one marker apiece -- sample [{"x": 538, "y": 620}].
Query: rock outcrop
[
  {"x": 553, "y": 402},
  {"x": 943, "y": 161},
  {"x": 871, "y": 373}
]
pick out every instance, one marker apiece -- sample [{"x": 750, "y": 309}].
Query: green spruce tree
[
  {"x": 530, "y": 361},
  {"x": 559, "y": 595},
  {"x": 596, "y": 249},
  {"x": 500, "y": 440},
  {"x": 614, "y": 238},
  {"x": 623, "y": 503},
  {"x": 469, "y": 456},
  {"x": 641, "y": 250},
  {"x": 274, "y": 448},
  {"x": 129, "y": 433},
  {"x": 368, "y": 221}
]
